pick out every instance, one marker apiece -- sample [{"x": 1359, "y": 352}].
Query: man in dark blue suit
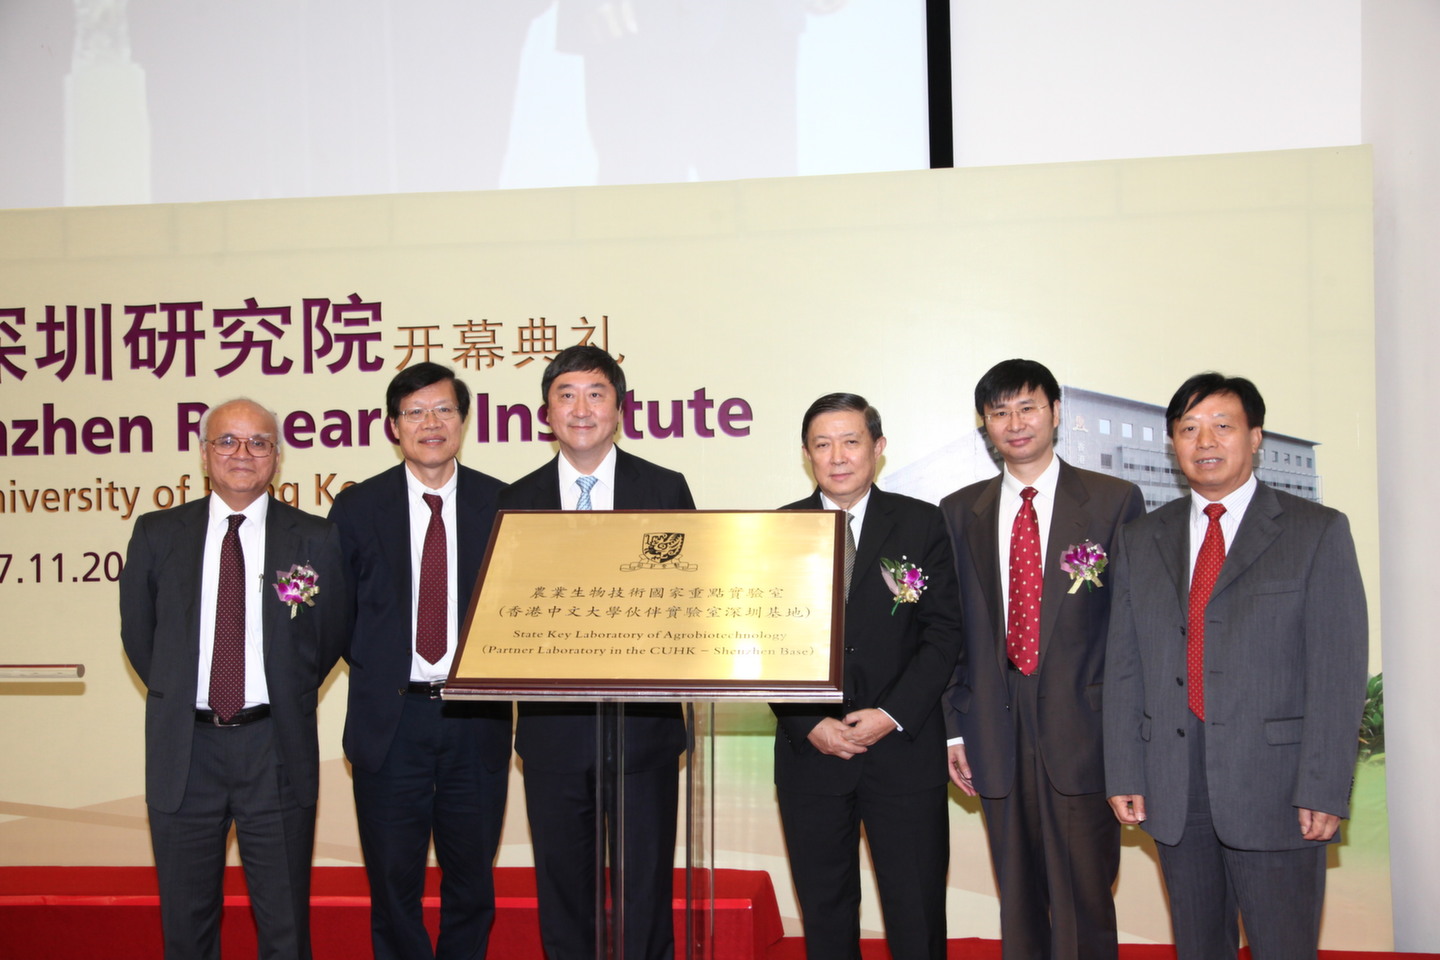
[
  {"x": 583, "y": 389},
  {"x": 232, "y": 673},
  {"x": 414, "y": 537},
  {"x": 877, "y": 758}
]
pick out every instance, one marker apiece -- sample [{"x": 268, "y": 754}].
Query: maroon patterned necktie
[
  {"x": 227, "y": 660},
  {"x": 431, "y": 615},
  {"x": 1207, "y": 568},
  {"x": 1022, "y": 630}
]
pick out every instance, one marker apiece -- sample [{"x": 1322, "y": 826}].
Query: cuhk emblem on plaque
[{"x": 659, "y": 551}]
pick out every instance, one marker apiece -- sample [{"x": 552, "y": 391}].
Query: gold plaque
[{"x": 656, "y": 605}]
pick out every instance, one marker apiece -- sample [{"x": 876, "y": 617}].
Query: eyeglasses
[
  {"x": 419, "y": 414},
  {"x": 228, "y": 446},
  {"x": 1021, "y": 414}
]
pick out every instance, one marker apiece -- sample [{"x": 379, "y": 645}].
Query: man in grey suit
[
  {"x": 232, "y": 669},
  {"x": 1025, "y": 729},
  {"x": 1234, "y": 683}
]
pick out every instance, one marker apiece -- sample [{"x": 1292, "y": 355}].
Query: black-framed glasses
[
  {"x": 228, "y": 446},
  {"x": 419, "y": 414}
]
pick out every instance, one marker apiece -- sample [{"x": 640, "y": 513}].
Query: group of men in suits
[
  {"x": 1227, "y": 647},
  {"x": 389, "y": 577},
  {"x": 1208, "y": 691}
]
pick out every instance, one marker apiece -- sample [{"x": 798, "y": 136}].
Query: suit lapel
[
  {"x": 469, "y": 547},
  {"x": 878, "y": 525},
  {"x": 545, "y": 495},
  {"x": 189, "y": 551},
  {"x": 983, "y": 538},
  {"x": 1172, "y": 543},
  {"x": 1069, "y": 520},
  {"x": 630, "y": 492},
  {"x": 1258, "y": 530},
  {"x": 282, "y": 548},
  {"x": 392, "y": 533}
]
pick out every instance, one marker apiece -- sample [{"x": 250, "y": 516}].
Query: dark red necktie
[
  {"x": 1022, "y": 631},
  {"x": 1207, "y": 568},
  {"x": 227, "y": 660},
  {"x": 431, "y": 616}
]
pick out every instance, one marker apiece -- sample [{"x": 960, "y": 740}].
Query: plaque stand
[{"x": 695, "y": 937}]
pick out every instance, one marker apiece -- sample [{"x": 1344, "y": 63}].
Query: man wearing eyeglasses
[
  {"x": 232, "y": 664},
  {"x": 414, "y": 537},
  {"x": 1023, "y": 709}
]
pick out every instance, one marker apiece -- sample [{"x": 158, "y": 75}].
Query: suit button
[
  {"x": 849, "y": 649},
  {"x": 1179, "y": 681},
  {"x": 1180, "y": 731}
]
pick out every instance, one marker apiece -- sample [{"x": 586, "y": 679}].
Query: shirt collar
[
  {"x": 604, "y": 473},
  {"x": 1235, "y": 501},
  {"x": 1044, "y": 484},
  {"x": 256, "y": 512},
  {"x": 856, "y": 511},
  {"x": 445, "y": 491}
]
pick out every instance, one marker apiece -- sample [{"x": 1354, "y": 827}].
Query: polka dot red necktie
[
  {"x": 1207, "y": 568},
  {"x": 227, "y": 660},
  {"x": 431, "y": 615},
  {"x": 1022, "y": 631}
]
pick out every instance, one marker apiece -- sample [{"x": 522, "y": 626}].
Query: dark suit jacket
[
  {"x": 547, "y": 735},
  {"x": 1073, "y": 626},
  {"x": 160, "y": 628},
  {"x": 1285, "y": 657},
  {"x": 374, "y": 523},
  {"x": 897, "y": 663}
]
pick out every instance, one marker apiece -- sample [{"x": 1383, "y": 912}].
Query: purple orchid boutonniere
[
  {"x": 1084, "y": 561},
  {"x": 905, "y": 580},
  {"x": 298, "y": 585}
]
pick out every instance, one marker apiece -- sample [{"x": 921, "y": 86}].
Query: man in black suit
[
  {"x": 1234, "y": 684},
  {"x": 1024, "y": 708},
  {"x": 583, "y": 389},
  {"x": 877, "y": 758},
  {"x": 232, "y": 671},
  {"x": 414, "y": 537}
]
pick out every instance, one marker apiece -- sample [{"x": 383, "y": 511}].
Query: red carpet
[
  {"x": 59, "y": 913},
  {"x": 56, "y": 913}
]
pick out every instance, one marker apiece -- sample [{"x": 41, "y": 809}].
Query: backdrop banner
[{"x": 733, "y": 306}]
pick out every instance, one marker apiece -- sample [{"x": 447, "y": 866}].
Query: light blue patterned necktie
[{"x": 585, "y": 484}]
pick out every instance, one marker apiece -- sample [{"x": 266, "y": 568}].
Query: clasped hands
[{"x": 852, "y": 734}]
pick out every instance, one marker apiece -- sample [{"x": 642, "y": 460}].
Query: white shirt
[
  {"x": 602, "y": 495},
  {"x": 252, "y": 545},
  {"x": 1236, "y": 502},
  {"x": 422, "y": 670},
  {"x": 1010, "y": 501},
  {"x": 857, "y": 513}
]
